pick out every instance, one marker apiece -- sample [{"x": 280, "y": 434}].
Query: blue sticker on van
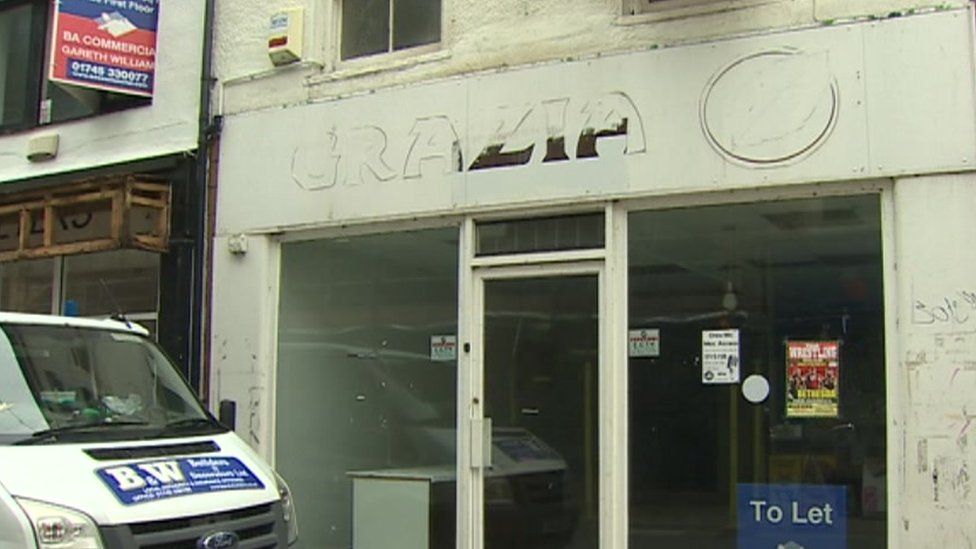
[{"x": 154, "y": 480}]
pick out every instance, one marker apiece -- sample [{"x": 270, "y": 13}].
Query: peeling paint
[
  {"x": 923, "y": 456},
  {"x": 254, "y": 415}
]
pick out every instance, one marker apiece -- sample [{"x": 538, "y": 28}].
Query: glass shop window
[
  {"x": 95, "y": 285},
  {"x": 27, "y": 286},
  {"x": 367, "y": 385},
  {"x": 757, "y": 375},
  {"x": 103, "y": 284}
]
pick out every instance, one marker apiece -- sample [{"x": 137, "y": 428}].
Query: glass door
[{"x": 541, "y": 331}]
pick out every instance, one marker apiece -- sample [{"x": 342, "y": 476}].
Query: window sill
[
  {"x": 679, "y": 9},
  {"x": 385, "y": 62}
]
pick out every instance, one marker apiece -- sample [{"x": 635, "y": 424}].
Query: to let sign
[{"x": 792, "y": 516}]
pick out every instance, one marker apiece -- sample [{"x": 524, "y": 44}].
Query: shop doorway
[{"x": 540, "y": 360}]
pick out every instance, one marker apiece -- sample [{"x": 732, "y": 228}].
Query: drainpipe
[{"x": 208, "y": 142}]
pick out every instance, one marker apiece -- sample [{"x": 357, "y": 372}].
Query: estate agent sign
[{"x": 105, "y": 44}]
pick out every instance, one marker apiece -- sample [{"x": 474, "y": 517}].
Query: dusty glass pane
[
  {"x": 365, "y": 27},
  {"x": 541, "y": 364},
  {"x": 546, "y": 234},
  {"x": 27, "y": 286},
  {"x": 416, "y": 22},
  {"x": 367, "y": 385},
  {"x": 69, "y": 102},
  {"x": 15, "y": 43},
  {"x": 122, "y": 281},
  {"x": 703, "y": 456}
]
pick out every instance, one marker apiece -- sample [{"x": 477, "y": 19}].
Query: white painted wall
[
  {"x": 935, "y": 375},
  {"x": 481, "y": 35},
  {"x": 820, "y": 104},
  {"x": 168, "y": 126},
  {"x": 243, "y": 337}
]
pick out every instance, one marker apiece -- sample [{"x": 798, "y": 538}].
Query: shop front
[
  {"x": 105, "y": 242},
  {"x": 634, "y": 301}
]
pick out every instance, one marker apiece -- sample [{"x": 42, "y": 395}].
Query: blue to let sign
[{"x": 792, "y": 516}]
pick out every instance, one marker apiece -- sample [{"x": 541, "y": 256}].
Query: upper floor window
[
  {"x": 381, "y": 26},
  {"x": 28, "y": 97}
]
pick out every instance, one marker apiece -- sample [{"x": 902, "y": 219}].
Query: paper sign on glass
[
  {"x": 443, "y": 348},
  {"x": 645, "y": 342},
  {"x": 720, "y": 356},
  {"x": 813, "y": 378}
]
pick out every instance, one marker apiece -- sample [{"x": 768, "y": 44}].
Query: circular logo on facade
[
  {"x": 218, "y": 540},
  {"x": 771, "y": 107}
]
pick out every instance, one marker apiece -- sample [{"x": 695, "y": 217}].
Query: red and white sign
[
  {"x": 105, "y": 44},
  {"x": 812, "y": 378}
]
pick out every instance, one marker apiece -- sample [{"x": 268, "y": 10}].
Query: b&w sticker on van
[{"x": 154, "y": 480}]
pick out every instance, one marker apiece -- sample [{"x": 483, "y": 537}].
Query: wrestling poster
[{"x": 812, "y": 379}]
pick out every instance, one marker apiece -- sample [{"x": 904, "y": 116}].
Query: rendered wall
[
  {"x": 480, "y": 35},
  {"x": 935, "y": 375},
  {"x": 168, "y": 126},
  {"x": 868, "y": 100}
]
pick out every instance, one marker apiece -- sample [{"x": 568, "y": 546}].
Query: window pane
[
  {"x": 365, "y": 27},
  {"x": 67, "y": 102},
  {"x": 15, "y": 84},
  {"x": 771, "y": 277},
  {"x": 416, "y": 22},
  {"x": 123, "y": 281},
  {"x": 545, "y": 234},
  {"x": 366, "y": 388},
  {"x": 27, "y": 286},
  {"x": 541, "y": 363}
]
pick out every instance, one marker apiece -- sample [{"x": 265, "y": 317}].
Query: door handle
[{"x": 481, "y": 443}]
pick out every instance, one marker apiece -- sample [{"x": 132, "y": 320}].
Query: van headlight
[
  {"x": 57, "y": 527},
  {"x": 288, "y": 506}
]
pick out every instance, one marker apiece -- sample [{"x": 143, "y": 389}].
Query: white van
[{"x": 103, "y": 446}]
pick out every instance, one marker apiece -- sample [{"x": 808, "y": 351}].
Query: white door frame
[{"x": 609, "y": 266}]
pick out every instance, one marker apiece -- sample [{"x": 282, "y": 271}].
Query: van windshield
[{"x": 68, "y": 384}]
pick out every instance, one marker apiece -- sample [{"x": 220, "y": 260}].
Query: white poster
[
  {"x": 443, "y": 348},
  {"x": 644, "y": 342},
  {"x": 720, "y": 356}
]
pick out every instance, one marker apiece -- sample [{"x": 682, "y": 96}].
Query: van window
[{"x": 64, "y": 383}]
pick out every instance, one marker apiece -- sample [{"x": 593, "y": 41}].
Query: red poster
[{"x": 812, "y": 378}]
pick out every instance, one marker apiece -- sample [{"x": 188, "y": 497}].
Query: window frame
[
  {"x": 390, "y": 54},
  {"x": 37, "y": 112},
  {"x": 644, "y": 11},
  {"x": 37, "y": 63}
]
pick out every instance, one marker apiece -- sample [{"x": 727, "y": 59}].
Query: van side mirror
[{"x": 227, "y": 414}]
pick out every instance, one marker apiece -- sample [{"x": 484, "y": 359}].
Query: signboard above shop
[{"x": 105, "y": 45}]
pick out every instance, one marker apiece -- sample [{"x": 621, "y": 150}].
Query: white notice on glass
[
  {"x": 720, "y": 356},
  {"x": 644, "y": 342},
  {"x": 443, "y": 348}
]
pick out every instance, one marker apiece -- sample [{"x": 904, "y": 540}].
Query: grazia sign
[{"x": 105, "y": 44}]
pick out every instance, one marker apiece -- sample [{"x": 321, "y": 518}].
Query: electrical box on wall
[{"x": 285, "y": 42}]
